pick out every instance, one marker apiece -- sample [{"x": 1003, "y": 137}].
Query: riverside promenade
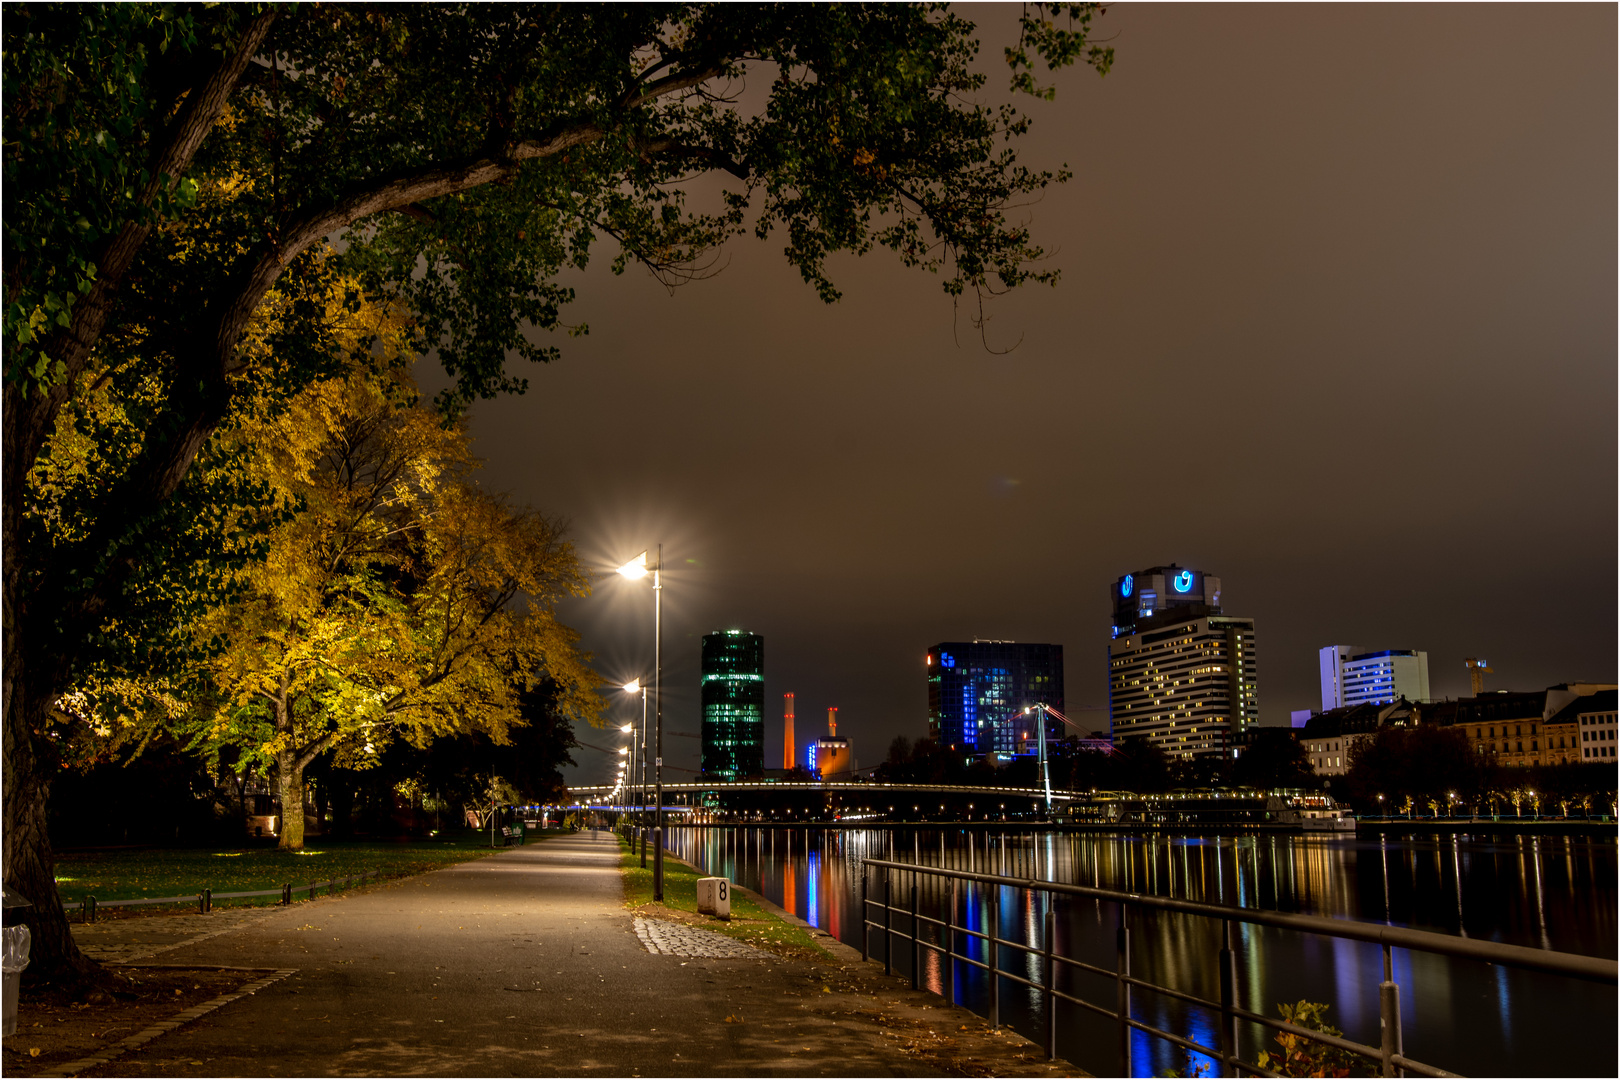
[{"x": 526, "y": 963}]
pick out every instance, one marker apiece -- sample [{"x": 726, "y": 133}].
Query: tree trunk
[
  {"x": 290, "y": 777},
  {"x": 29, "y": 866}
]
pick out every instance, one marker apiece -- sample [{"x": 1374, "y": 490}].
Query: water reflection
[{"x": 1546, "y": 892}]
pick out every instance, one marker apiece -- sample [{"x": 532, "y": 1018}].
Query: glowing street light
[{"x": 634, "y": 570}]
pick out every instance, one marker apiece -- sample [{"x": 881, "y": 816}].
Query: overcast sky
[{"x": 1337, "y": 324}]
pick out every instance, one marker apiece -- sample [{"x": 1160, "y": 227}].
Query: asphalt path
[{"x": 526, "y": 963}]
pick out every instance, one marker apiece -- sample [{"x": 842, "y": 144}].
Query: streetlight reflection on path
[{"x": 636, "y": 569}]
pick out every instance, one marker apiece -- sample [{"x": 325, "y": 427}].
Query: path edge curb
[{"x": 180, "y": 1019}]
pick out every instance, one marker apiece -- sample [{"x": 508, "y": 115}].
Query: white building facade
[{"x": 1354, "y": 675}]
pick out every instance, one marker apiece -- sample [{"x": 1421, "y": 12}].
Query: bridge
[{"x": 595, "y": 797}]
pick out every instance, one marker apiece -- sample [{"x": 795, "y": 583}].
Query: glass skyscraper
[
  {"x": 978, "y": 690},
  {"x": 733, "y": 705}
]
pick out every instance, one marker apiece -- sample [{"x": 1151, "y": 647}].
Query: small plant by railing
[
  {"x": 206, "y": 897},
  {"x": 1305, "y": 1040}
]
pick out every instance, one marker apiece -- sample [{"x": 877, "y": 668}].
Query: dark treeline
[{"x": 167, "y": 794}]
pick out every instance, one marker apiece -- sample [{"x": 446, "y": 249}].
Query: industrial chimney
[{"x": 787, "y": 733}]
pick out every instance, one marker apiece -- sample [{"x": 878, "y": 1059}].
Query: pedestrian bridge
[{"x": 595, "y": 796}]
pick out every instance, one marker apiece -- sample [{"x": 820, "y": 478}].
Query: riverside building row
[{"x": 1571, "y": 723}]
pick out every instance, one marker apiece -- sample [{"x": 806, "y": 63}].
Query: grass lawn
[
  {"x": 130, "y": 875},
  {"x": 749, "y": 922}
]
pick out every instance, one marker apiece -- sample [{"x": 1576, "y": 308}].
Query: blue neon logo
[
  {"x": 1127, "y": 585},
  {"x": 947, "y": 660},
  {"x": 1183, "y": 581}
]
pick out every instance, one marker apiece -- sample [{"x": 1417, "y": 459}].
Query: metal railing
[
  {"x": 947, "y": 934},
  {"x": 205, "y": 899}
]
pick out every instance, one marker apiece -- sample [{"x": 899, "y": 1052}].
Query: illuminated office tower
[
  {"x": 733, "y": 704},
  {"x": 1353, "y": 675},
  {"x": 978, "y": 690},
  {"x": 1180, "y": 673}
]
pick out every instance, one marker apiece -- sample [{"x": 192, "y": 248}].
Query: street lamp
[
  {"x": 634, "y": 686},
  {"x": 635, "y": 570}
]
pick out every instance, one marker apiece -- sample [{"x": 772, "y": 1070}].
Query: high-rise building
[
  {"x": 733, "y": 704},
  {"x": 1353, "y": 675},
  {"x": 978, "y": 691},
  {"x": 1180, "y": 672}
]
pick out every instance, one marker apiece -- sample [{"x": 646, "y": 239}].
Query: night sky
[{"x": 1337, "y": 324}]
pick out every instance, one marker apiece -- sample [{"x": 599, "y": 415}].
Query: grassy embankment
[
  {"x": 750, "y": 922},
  {"x": 133, "y": 874}
]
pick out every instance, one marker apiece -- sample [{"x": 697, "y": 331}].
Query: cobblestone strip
[
  {"x": 678, "y": 939},
  {"x": 141, "y": 1038}
]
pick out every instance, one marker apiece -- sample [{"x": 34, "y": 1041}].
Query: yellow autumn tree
[{"x": 399, "y": 599}]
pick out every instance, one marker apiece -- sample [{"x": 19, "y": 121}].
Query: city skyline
[{"x": 1337, "y": 318}]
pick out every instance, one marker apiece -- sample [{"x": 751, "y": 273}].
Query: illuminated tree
[
  {"x": 466, "y": 156},
  {"x": 399, "y": 601}
]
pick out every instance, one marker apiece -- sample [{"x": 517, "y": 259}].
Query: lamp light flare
[
  {"x": 633, "y": 686},
  {"x": 636, "y": 568}
]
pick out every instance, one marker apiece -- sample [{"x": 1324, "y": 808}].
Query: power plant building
[
  {"x": 978, "y": 691},
  {"x": 1181, "y": 673},
  {"x": 733, "y": 705},
  {"x": 833, "y": 756}
]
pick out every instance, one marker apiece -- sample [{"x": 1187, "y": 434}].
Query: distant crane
[{"x": 1477, "y": 670}]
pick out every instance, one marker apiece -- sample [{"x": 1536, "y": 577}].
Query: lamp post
[
  {"x": 634, "y": 686},
  {"x": 634, "y": 569}
]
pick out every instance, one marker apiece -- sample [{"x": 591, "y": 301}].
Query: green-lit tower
[{"x": 733, "y": 704}]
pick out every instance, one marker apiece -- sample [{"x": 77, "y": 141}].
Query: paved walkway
[{"x": 526, "y": 963}]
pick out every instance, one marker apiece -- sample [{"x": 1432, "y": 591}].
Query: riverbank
[
  {"x": 1480, "y": 826},
  {"x": 524, "y": 963}
]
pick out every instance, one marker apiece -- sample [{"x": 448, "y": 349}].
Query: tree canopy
[{"x": 175, "y": 174}]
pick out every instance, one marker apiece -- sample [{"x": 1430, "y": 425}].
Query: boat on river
[{"x": 1310, "y": 813}]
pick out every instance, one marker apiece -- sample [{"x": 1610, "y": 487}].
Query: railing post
[
  {"x": 89, "y": 909},
  {"x": 1122, "y": 968},
  {"x": 1049, "y": 979},
  {"x": 950, "y": 941},
  {"x": 658, "y": 863},
  {"x": 866, "y": 914},
  {"x": 994, "y": 956},
  {"x": 888, "y": 923},
  {"x": 916, "y": 937},
  {"x": 1389, "y": 1018},
  {"x": 1229, "y": 1035},
  {"x": 286, "y": 894}
]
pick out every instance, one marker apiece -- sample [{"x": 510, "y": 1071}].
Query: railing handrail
[
  {"x": 142, "y": 901},
  {"x": 1592, "y": 968}
]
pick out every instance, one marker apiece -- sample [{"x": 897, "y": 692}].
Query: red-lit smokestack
[
  {"x": 832, "y": 720},
  {"x": 787, "y": 733}
]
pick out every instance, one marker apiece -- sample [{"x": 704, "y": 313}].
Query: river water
[{"x": 1463, "y": 1016}]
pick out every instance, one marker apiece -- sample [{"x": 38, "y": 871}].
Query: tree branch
[{"x": 72, "y": 347}]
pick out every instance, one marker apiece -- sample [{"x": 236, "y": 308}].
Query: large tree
[
  {"x": 399, "y": 600},
  {"x": 463, "y": 156}
]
